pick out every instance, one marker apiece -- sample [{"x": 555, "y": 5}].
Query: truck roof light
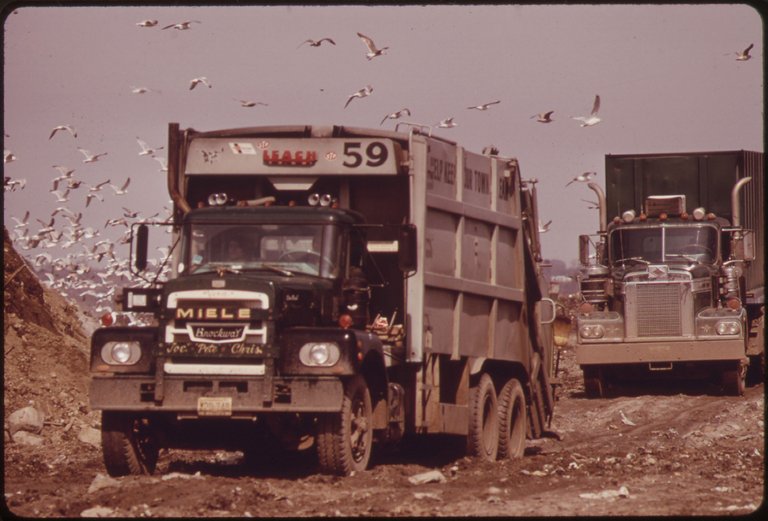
[
  {"x": 313, "y": 199},
  {"x": 699, "y": 213},
  {"x": 628, "y": 216},
  {"x": 616, "y": 220},
  {"x": 663, "y": 216},
  {"x": 711, "y": 216},
  {"x": 107, "y": 319},
  {"x": 733, "y": 303},
  {"x": 684, "y": 216},
  {"x": 345, "y": 321},
  {"x": 643, "y": 217}
]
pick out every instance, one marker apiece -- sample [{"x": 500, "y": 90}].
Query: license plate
[{"x": 214, "y": 406}]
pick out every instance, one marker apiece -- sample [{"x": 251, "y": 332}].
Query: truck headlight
[
  {"x": 592, "y": 331},
  {"x": 121, "y": 353},
  {"x": 319, "y": 354},
  {"x": 728, "y": 327}
]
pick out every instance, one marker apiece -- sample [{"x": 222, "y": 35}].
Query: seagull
[
  {"x": 12, "y": 184},
  {"x": 359, "y": 94},
  {"x": 146, "y": 150},
  {"x": 625, "y": 420},
  {"x": 182, "y": 26},
  {"x": 202, "y": 79},
  {"x": 372, "y": 50},
  {"x": 485, "y": 106},
  {"x": 163, "y": 163},
  {"x": 317, "y": 43},
  {"x": 68, "y": 128},
  {"x": 97, "y": 187},
  {"x": 65, "y": 172},
  {"x": 23, "y": 222},
  {"x": 543, "y": 117},
  {"x": 447, "y": 123},
  {"x": 592, "y": 119},
  {"x": 62, "y": 198},
  {"x": 583, "y": 178},
  {"x": 123, "y": 189},
  {"x": 130, "y": 214},
  {"x": 544, "y": 228},
  {"x": 90, "y": 158},
  {"x": 248, "y": 103},
  {"x": 592, "y": 205},
  {"x": 141, "y": 90},
  {"x": 92, "y": 195},
  {"x": 147, "y": 23},
  {"x": 744, "y": 55},
  {"x": 115, "y": 222},
  {"x": 8, "y": 156},
  {"x": 396, "y": 115}
]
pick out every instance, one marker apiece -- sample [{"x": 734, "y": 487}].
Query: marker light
[
  {"x": 699, "y": 213},
  {"x": 733, "y": 303},
  {"x": 628, "y": 216},
  {"x": 219, "y": 199},
  {"x": 345, "y": 321},
  {"x": 107, "y": 319},
  {"x": 313, "y": 199}
]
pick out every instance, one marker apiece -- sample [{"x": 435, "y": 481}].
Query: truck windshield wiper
[
  {"x": 638, "y": 259},
  {"x": 681, "y": 256},
  {"x": 276, "y": 269}
]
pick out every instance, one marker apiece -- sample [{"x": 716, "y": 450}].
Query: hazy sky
[{"x": 666, "y": 74}]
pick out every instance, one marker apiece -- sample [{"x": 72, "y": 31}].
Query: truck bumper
[
  {"x": 647, "y": 352},
  {"x": 247, "y": 396}
]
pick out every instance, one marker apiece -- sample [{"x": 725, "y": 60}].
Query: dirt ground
[{"x": 671, "y": 450}]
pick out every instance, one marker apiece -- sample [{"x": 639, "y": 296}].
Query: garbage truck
[
  {"x": 332, "y": 288},
  {"x": 673, "y": 281}
]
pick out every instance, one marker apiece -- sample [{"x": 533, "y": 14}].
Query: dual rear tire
[{"x": 497, "y": 424}]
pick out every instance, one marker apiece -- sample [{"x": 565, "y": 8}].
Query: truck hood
[{"x": 641, "y": 272}]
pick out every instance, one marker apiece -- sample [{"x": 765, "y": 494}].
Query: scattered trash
[
  {"x": 102, "y": 481},
  {"x": 435, "y": 496},
  {"x": 181, "y": 475},
  {"x": 433, "y": 476},
  {"x": 97, "y": 511},
  {"x": 623, "y": 492},
  {"x": 625, "y": 420}
]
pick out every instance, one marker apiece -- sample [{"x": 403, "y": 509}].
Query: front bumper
[
  {"x": 249, "y": 395},
  {"x": 660, "y": 351}
]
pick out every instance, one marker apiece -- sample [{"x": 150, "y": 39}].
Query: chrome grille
[{"x": 656, "y": 308}]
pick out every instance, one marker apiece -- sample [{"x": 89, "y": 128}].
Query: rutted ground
[{"x": 654, "y": 451}]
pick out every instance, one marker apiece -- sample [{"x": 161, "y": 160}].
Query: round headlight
[
  {"x": 319, "y": 354},
  {"x": 121, "y": 353},
  {"x": 728, "y": 327},
  {"x": 592, "y": 331}
]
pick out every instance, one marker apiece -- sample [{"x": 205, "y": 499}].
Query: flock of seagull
[{"x": 77, "y": 266}]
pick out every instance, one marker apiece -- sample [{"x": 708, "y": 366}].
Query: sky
[{"x": 667, "y": 76}]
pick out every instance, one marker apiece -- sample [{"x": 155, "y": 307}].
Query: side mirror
[
  {"x": 142, "y": 246},
  {"x": 547, "y": 310},
  {"x": 743, "y": 248},
  {"x": 406, "y": 248}
]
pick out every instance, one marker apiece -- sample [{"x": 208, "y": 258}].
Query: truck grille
[{"x": 656, "y": 308}]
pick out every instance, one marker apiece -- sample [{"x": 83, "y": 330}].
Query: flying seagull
[
  {"x": 182, "y": 26},
  {"x": 68, "y": 128},
  {"x": 141, "y": 90},
  {"x": 317, "y": 43},
  {"x": 396, "y": 115},
  {"x": 92, "y": 195},
  {"x": 544, "y": 117},
  {"x": 359, "y": 94},
  {"x": 62, "y": 198},
  {"x": 147, "y": 23},
  {"x": 447, "y": 123},
  {"x": 146, "y": 150},
  {"x": 744, "y": 55},
  {"x": 202, "y": 79},
  {"x": 373, "y": 51},
  {"x": 485, "y": 106},
  {"x": 249, "y": 103},
  {"x": 90, "y": 158},
  {"x": 122, "y": 190},
  {"x": 582, "y": 178},
  {"x": 592, "y": 119},
  {"x": 8, "y": 156},
  {"x": 544, "y": 228}
]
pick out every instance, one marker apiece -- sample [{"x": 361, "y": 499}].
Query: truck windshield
[
  {"x": 664, "y": 244},
  {"x": 283, "y": 248}
]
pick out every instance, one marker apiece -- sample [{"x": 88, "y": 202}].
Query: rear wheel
[
  {"x": 512, "y": 420},
  {"x": 129, "y": 444},
  {"x": 344, "y": 440},
  {"x": 483, "y": 436}
]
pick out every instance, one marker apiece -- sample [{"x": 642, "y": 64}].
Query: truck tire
[
  {"x": 128, "y": 444},
  {"x": 512, "y": 420},
  {"x": 483, "y": 436},
  {"x": 345, "y": 439},
  {"x": 594, "y": 386},
  {"x": 734, "y": 379}
]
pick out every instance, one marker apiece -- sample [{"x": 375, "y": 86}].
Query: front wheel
[
  {"x": 128, "y": 443},
  {"x": 734, "y": 379},
  {"x": 345, "y": 439}
]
